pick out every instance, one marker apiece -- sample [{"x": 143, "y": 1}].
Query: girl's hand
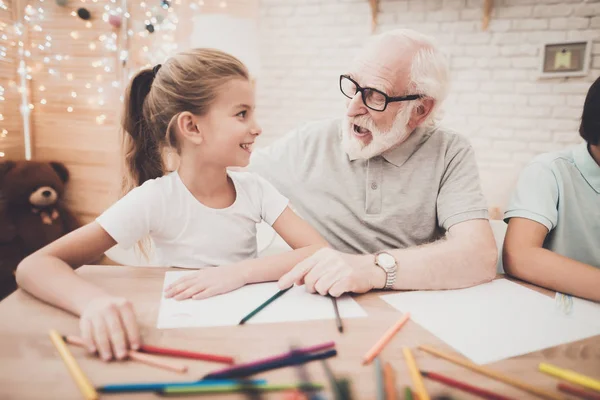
[
  {"x": 108, "y": 325},
  {"x": 206, "y": 283}
]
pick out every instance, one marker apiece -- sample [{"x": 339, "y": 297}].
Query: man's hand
[{"x": 332, "y": 272}]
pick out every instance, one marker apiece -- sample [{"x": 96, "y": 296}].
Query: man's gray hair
[{"x": 430, "y": 73}]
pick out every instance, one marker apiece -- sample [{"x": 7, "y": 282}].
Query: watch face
[{"x": 386, "y": 260}]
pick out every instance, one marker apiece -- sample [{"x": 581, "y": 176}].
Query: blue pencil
[
  {"x": 152, "y": 387},
  {"x": 270, "y": 365}
]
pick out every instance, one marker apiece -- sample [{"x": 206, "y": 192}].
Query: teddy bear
[{"x": 31, "y": 213}]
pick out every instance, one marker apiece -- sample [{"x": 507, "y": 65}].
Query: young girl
[{"x": 200, "y": 104}]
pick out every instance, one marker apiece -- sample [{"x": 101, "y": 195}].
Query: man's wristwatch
[{"x": 388, "y": 263}]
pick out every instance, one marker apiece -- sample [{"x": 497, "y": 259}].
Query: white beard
[{"x": 381, "y": 140}]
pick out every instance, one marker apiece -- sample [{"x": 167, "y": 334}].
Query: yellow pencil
[
  {"x": 81, "y": 380},
  {"x": 493, "y": 374},
  {"x": 387, "y": 336},
  {"x": 415, "y": 374},
  {"x": 570, "y": 376}
]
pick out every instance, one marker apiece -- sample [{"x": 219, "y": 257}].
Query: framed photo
[{"x": 565, "y": 59}]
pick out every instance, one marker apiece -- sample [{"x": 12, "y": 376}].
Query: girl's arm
[
  {"x": 525, "y": 258},
  {"x": 299, "y": 235},
  {"x": 296, "y": 232},
  {"x": 107, "y": 322}
]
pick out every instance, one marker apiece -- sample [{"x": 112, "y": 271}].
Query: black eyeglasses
[{"x": 374, "y": 99}]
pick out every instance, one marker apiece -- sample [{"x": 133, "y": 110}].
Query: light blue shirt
[{"x": 561, "y": 191}]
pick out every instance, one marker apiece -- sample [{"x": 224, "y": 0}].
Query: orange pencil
[
  {"x": 157, "y": 362},
  {"x": 390, "y": 382},
  {"x": 137, "y": 356},
  {"x": 387, "y": 336}
]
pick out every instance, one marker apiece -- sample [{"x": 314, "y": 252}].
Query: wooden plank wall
[
  {"x": 11, "y": 126},
  {"x": 89, "y": 78}
]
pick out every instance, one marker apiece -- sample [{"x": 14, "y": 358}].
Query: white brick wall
[{"x": 496, "y": 98}]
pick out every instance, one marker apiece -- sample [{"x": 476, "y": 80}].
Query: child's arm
[
  {"x": 106, "y": 320},
  {"x": 296, "y": 232},
  {"x": 525, "y": 259}
]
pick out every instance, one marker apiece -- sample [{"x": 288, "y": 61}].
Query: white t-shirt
[{"x": 186, "y": 233}]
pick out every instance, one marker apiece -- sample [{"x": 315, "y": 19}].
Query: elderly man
[{"x": 397, "y": 198}]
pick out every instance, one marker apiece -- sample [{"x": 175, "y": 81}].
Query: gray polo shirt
[
  {"x": 562, "y": 192},
  {"x": 408, "y": 196}
]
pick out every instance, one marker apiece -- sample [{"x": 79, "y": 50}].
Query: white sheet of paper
[
  {"x": 228, "y": 309},
  {"x": 493, "y": 321}
]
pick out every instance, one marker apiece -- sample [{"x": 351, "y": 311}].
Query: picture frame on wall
[{"x": 565, "y": 59}]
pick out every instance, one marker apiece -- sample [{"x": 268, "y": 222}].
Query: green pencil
[
  {"x": 408, "y": 394},
  {"x": 237, "y": 388},
  {"x": 263, "y": 305},
  {"x": 335, "y": 384}
]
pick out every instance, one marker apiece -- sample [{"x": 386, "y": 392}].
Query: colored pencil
[
  {"x": 305, "y": 350},
  {"x": 263, "y": 305},
  {"x": 81, "y": 380},
  {"x": 379, "y": 379},
  {"x": 156, "y": 386},
  {"x": 156, "y": 362},
  {"x": 287, "y": 362},
  {"x": 483, "y": 393},
  {"x": 390, "y": 382},
  {"x": 338, "y": 319},
  {"x": 570, "y": 376},
  {"x": 137, "y": 356},
  {"x": 303, "y": 376},
  {"x": 408, "y": 394},
  {"x": 178, "y": 390},
  {"x": 295, "y": 395},
  {"x": 493, "y": 374},
  {"x": 153, "y": 387},
  {"x": 146, "y": 348},
  {"x": 387, "y": 336},
  {"x": 345, "y": 388},
  {"x": 333, "y": 382},
  {"x": 415, "y": 374},
  {"x": 584, "y": 394}
]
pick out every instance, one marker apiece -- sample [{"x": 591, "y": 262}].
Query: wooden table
[{"x": 30, "y": 367}]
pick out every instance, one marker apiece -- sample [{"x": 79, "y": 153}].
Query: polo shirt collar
[
  {"x": 397, "y": 156},
  {"x": 587, "y": 166}
]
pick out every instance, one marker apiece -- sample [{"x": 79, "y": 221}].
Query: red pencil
[
  {"x": 185, "y": 354},
  {"x": 584, "y": 394},
  {"x": 485, "y": 394}
]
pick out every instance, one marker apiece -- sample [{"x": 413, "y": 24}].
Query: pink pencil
[{"x": 305, "y": 350}]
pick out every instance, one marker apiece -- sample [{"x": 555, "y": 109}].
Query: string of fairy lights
[{"x": 150, "y": 25}]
